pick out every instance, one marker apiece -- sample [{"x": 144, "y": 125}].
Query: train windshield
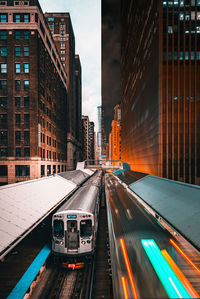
[
  {"x": 86, "y": 228},
  {"x": 58, "y": 228}
]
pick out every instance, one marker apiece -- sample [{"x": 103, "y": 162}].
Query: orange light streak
[
  {"x": 184, "y": 255},
  {"x": 180, "y": 275},
  {"x": 128, "y": 266},
  {"x": 124, "y": 287}
]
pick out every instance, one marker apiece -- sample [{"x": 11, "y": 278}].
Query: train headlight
[
  {"x": 83, "y": 242},
  {"x": 61, "y": 242}
]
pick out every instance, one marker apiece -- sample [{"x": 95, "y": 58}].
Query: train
[{"x": 75, "y": 223}]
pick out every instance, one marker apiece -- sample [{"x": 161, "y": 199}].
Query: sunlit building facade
[
  {"x": 115, "y": 135},
  {"x": 160, "y": 77},
  {"x": 33, "y": 95}
]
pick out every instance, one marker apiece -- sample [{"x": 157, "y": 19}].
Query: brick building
[
  {"x": 115, "y": 135},
  {"x": 33, "y": 95},
  {"x": 62, "y": 32},
  {"x": 88, "y": 139}
]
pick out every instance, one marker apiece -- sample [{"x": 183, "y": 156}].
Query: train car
[{"x": 74, "y": 225}]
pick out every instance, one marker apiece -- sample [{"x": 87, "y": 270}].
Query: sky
[{"x": 86, "y": 22}]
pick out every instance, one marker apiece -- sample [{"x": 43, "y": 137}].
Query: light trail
[
  {"x": 164, "y": 271},
  {"x": 184, "y": 255},
  {"x": 124, "y": 287},
  {"x": 128, "y": 267},
  {"x": 180, "y": 274}
]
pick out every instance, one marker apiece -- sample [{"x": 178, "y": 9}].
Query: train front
[{"x": 73, "y": 234}]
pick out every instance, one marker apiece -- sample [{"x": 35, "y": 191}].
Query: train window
[
  {"x": 86, "y": 228},
  {"x": 58, "y": 228}
]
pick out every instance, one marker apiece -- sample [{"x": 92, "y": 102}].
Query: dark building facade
[
  {"x": 88, "y": 139},
  {"x": 33, "y": 95},
  {"x": 160, "y": 77},
  {"x": 62, "y": 32}
]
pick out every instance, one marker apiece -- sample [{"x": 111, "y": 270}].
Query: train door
[{"x": 72, "y": 235}]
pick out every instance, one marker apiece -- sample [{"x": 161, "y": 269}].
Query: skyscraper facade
[
  {"x": 33, "y": 95},
  {"x": 88, "y": 139},
  {"x": 160, "y": 100},
  {"x": 62, "y": 32}
]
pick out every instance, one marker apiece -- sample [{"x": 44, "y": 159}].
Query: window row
[
  {"x": 18, "y": 137},
  {"x": 17, "y": 17},
  {"x": 175, "y": 3},
  {"x": 3, "y": 68},
  {"x": 18, "y": 102},
  {"x": 18, "y": 34},
  {"x": 181, "y": 56},
  {"x": 48, "y": 126},
  {"x": 48, "y": 139},
  {"x": 18, "y": 51},
  {"x": 18, "y": 119},
  {"x": 19, "y": 152},
  {"x": 53, "y": 169},
  {"x": 48, "y": 154},
  {"x": 3, "y": 85},
  {"x": 20, "y": 170}
]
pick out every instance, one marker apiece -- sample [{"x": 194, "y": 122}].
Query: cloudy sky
[{"x": 86, "y": 22}]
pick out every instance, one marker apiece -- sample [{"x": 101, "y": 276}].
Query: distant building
[
  {"x": 62, "y": 32},
  {"x": 33, "y": 95},
  {"x": 88, "y": 139},
  {"x": 115, "y": 135},
  {"x": 160, "y": 84}
]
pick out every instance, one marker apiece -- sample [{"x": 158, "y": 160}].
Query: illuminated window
[
  {"x": 17, "y": 51},
  {"x": 186, "y": 55},
  {"x": 26, "y": 68},
  {"x": 3, "y": 68},
  {"x": 181, "y": 56},
  {"x": 26, "y": 84},
  {"x": 26, "y": 34},
  {"x": 17, "y": 68},
  {"x": 26, "y": 51},
  {"x": 181, "y": 3},
  {"x": 3, "y": 18},
  {"x": 187, "y": 16},
  {"x": 62, "y": 45},
  {"x": 3, "y": 51},
  {"x": 198, "y": 29},
  {"x": 50, "y": 19},
  {"x": 3, "y": 34},
  {"x": 192, "y": 15},
  {"x": 170, "y": 30},
  {"x": 192, "y": 55}
]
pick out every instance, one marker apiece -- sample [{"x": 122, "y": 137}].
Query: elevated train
[{"x": 75, "y": 224}]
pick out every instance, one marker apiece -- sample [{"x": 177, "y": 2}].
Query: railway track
[{"x": 62, "y": 283}]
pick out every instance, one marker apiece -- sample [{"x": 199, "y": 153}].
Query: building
[
  {"x": 160, "y": 85},
  {"x": 99, "y": 132},
  {"x": 33, "y": 95},
  {"x": 115, "y": 135},
  {"x": 88, "y": 139},
  {"x": 62, "y": 32}
]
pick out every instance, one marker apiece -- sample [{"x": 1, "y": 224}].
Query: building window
[
  {"x": 58, "y": 168},
  {"x": 3, "y": 68},
  {"x": 51, "y": 19},
  {"x": 17, "y": 85},
  {"x": 27, "y": 152},
  {"x": 3, "y": 170},
  {"x": 49, "y": 154},
  {"x": 22, "y": 170},
  {"x": 42, "y": 170},
  {"x": 17, "y": 102},
  {"x": 62, "y": 45},
  {"x": 3, "y": 34},
  {"x": 43, "y": 138},
  {"x": 62, "y": 26},
  {"x": 26, "y": 84},
  {"x": 26, "y": 51},
  {"x": 26, "y": 34},
  {"x": 3, "y": 102},
  {"x": 3, "y": 84},
  {"x": 17, "y": 18},
  {"x": 18, "y": 152},
  {"x": 26, "y": 18},
  {"x": 54, "y": 168},
  {"x": 17, "y": 119},
  {"x": 62, "y": 52},
  {"x": 51, "y": 26},
  {"x": 3, "y": 137},
  {"x": 3, "y": 51},
  {"x": 17, "y": 68},
  {"x": 17, "y": 34},
  {"x": 26, "y": 68},
  {"x": 17, "y": 137},
  {"x": 26, "y": 102},
  {"x": 43, "y": 153},
  {"x": 3, "y": 18},
  {"x": 62, "y": 38},
  {"x": 62, "y": 58},
  {"x": 26, "y": 137},
  {"x": 48, "y": 169},
  {"x": 3, "y": 119},
  {"x": 62, "y": 32},
  {"x": 17, "y": 51},
  {"x": 3, "y": 152},
  {"x": 26, "y": 119}
]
